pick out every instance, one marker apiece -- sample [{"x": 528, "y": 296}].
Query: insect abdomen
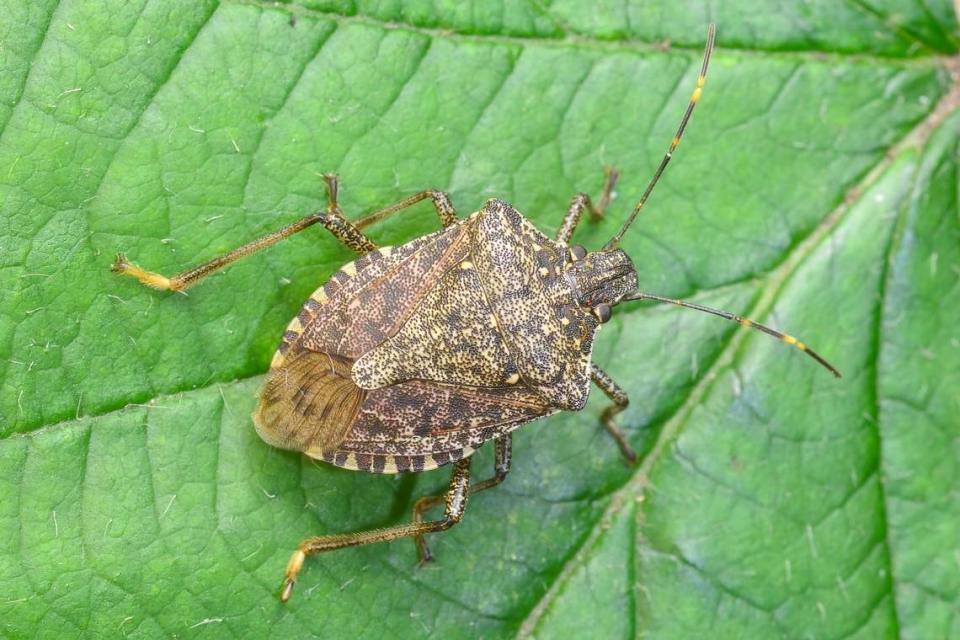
[{"x": 386, "y": 463}]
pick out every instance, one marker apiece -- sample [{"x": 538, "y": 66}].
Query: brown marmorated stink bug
[{"x": 411, "y": 357}]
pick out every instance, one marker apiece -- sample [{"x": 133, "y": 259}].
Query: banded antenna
[
  {"x": 694, "y": 98},
  {"x": 614, "y": 242},
  {"x": 746, "y": 322}
]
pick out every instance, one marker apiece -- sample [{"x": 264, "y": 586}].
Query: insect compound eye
[
  {"x": 602, "y": 311},
  {"x": 577, "y": 252}
]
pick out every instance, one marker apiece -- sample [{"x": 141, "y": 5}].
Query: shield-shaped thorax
[{"x": 501, "y": 315}]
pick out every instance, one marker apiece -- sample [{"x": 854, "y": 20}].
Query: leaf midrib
[{"x": 624, "y": 44}]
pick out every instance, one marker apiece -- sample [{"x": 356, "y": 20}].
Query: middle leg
[
  {"x": 620, "y": 401},
  {"x": 502, "y": 457},
  {"x": 441, "y": 202},
  {"x": 350, "y": 234}
]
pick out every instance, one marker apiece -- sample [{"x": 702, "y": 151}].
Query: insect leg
[
  {"x": 502, "y": 457},
  {"x": 332, "y": 219},
  {"x": 620, "y": 401},
  {"x": 441, "y": 202},
  {"x": 348, "y": 233},
  {"x": 456, "y": 502},
  {"x": 582, "y": 202}
]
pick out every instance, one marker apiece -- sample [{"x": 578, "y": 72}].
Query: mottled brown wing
[
  {"x": 310, "y": 401},
  {"x": 419, "y": 425},
  {"x": 309, "y": 398},
  {"x": 367, "y": 300}
]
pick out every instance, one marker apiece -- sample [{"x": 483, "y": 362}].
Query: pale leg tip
[
  {"x": 124, "y": 267},
  {"x": 293, "y": 568},
  {"x": 287, "y": 590}
]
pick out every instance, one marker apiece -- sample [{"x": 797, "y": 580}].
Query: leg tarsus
[
  {"x": 290, "y": 577},
  {"x": 611, "y": 427},
  {"x": 333, "y": 190},
  {"x": 606, "y": 196},
  {"x": 153, "y": 280},
  {"x": 423, "y": 504}
]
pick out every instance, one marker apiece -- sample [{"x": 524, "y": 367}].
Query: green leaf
[{"x": 816, "y": 190}]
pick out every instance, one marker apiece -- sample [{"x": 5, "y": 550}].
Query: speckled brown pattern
[
  {"x": 432, "y": 423},
  {"x": 450, "y": 340},
  {"x": 524, "y": 279},
  {"x": 370, "y": 299}
]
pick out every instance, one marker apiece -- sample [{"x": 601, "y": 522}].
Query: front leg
[
  {"x": 582, "y": 202},
  {"x": 620, "y": 401}
]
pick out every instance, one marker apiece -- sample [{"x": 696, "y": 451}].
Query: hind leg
[
  {"x": 455, "y": 500},
  {"x": 620, "y": 401},
  {"x": 348, "y": 233}
]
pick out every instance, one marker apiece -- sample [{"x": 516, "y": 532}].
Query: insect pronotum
[{"x": 412, "y": 357}]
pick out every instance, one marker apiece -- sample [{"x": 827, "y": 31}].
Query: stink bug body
[{"x": 412, "y": 357}]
